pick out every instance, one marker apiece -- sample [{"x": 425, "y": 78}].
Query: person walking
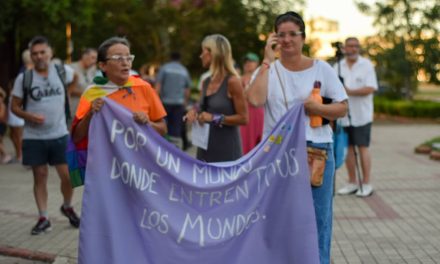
[
  {"x": 5, "y": 158},
  {"x": 222, "y": 103},
  {"x": 173, "y": 85},
  {"x": 16, "y": 124},
  {"x": 360, "y": 83},
  {"x": 42, "y": 105},
  {"x": 85, "y": 69},
  {"x": 279, "y": 84}
]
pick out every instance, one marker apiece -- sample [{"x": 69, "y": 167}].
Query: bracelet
[
  {"x": 217, "y": 119},
  {"x": 266, "y": 64}
]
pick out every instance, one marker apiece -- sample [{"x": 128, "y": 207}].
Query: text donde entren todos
[{"x": 208, "y": 187}]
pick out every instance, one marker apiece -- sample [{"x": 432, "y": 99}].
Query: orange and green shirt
[{"x": 136, "y": 95}]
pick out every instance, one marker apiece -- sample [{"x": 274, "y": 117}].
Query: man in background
[
  {"x": 42, "y": 104},
  {"x": 85, "y": 69},
  {"x": 360, "y": 82},
  {"x": 173, "y": 85}
]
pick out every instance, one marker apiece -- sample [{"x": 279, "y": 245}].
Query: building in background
[{"x": 321, "y": 33}]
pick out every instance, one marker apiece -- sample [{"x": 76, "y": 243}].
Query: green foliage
[
  {"x": 429, "y": 57},
  {"x": 27, "y": 18},
  {"x": 7, "y": 15},
  {"x": 394, "y": 68},
  {"x": 154, "y": 27},
  {"x": 432, "y": 141},
  {"x": 407, "y": 42},
  {"x": 417, "y": 108}
]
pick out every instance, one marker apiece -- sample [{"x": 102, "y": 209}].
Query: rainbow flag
[
  {"x": 136, "y": 95},
  {"x": 77, "y": 153}
]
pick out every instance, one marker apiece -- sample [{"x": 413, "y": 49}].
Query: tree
[
  {"x": 23, "y": 19},
  {"x": 407, "y": 42},
  {"x": 154, "y": 27}
]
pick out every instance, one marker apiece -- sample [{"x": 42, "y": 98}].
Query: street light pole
[{"x": 69, "y": 44}]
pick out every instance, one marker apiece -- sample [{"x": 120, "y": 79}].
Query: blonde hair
[
  {"x": 26, "y": 57},
  {"x": 221, "y": 52}
]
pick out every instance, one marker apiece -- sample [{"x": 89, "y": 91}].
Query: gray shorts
[
  {"x": 41, "y": 152},
  {"x": 359, "y": 136}
]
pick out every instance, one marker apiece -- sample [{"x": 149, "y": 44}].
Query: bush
[
  {"x": 416, "y": 108},
  {"x": 433, "y": 143}
]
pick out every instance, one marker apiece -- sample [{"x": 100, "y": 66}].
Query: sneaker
[
  {"x": 348, "y": 189},
  {"x": 367, "y": 190},
  {"x": 15, "y": 161},
  {"x": 6, "y": 159},
  {"x": 43, "y": 225},
  {"x": 69, "y": 213}
]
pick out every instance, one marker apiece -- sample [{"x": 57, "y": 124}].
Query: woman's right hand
[
  {"x": 97, "y": 105},
  {"x": 271, "y": 46},
  {"x": 190, "y": 116}
]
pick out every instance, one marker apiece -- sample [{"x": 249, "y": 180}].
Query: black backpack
[{"x": 27, "y": 83}]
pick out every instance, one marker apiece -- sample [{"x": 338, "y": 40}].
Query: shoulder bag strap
[
  {"x": 282, "y": 86},
  {"x": 61, "y": 71},
  {"x": 27, "y": 83}
]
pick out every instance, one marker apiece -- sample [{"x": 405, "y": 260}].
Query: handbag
[{"x": 316, "y": 158}]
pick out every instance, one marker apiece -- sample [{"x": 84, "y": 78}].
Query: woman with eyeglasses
[
  {"x": 115, "y": 61},
  {"x": 222, "y": 102},
  {"x": 117, "y": 84},
  {"x": 279, "y": 84}
]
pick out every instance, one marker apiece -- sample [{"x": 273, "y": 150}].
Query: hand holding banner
[{"x": 144, "y": 197}]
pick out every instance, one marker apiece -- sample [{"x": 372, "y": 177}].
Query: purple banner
[{"x": 145, "y": 201}]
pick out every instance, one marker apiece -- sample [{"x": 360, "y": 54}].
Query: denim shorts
[{"x": 44, "y": 151}]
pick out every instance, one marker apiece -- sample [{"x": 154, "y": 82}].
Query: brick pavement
[{"x": 399, "y": 223}]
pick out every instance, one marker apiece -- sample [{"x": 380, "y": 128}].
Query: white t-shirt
[
  {"x": 360, "y": 75},
  {"x": 46, "y": 97},
  {"x": 298, "y": 87}
]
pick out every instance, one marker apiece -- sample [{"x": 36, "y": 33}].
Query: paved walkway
[{"x": 399, "y": 223}]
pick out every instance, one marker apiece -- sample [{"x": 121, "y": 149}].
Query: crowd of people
[{"x": 240, "y": 110}]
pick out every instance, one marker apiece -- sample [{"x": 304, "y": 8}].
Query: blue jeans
[{"x": 323, "y": 203}]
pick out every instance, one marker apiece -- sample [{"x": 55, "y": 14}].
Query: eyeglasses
[
  {"x": 121, "y": 58},
  {"x": 290, "y": 33}
]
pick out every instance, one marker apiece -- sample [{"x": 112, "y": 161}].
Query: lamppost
[{"x": 69, "y": 44}]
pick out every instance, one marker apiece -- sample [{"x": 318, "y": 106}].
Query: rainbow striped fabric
[
  {"x": 77, "y": 153},
  {"x": 136, "y": 95}
]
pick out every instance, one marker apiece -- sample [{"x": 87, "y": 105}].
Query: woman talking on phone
[{"x": 279, "y": 84}]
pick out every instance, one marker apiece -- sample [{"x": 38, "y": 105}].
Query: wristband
[
  {"x": 217, "y": 119},
  {"x": 266, "y": 64}
]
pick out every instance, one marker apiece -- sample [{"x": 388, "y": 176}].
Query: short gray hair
[{"x": 103, "y": 48}]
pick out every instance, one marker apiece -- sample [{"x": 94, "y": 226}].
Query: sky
[{"x": 351, "y": 21}]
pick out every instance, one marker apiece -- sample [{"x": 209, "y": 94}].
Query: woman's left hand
[
  {"x": 311, "y": 106},
  {"x": 141, "y": 117}
]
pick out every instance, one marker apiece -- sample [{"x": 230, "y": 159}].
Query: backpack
[{"x": 27, "y": 83}]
